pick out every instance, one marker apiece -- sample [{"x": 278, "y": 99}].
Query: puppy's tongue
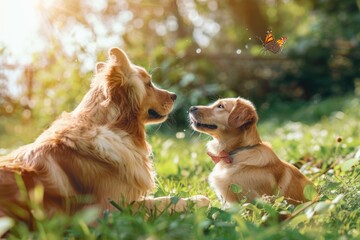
[{"x": 223, "y": 156}]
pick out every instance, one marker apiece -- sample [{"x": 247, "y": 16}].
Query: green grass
[{"x": 304, "y": 134}]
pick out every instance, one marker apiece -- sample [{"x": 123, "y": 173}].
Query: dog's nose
[
  {"x": 173, "y": 96},
  {"x": 193, "y": 109}
]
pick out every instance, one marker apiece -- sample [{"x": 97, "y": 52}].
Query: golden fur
[
  {"x": 99, "y": 150},
  {"x": 243, "y": 158}
]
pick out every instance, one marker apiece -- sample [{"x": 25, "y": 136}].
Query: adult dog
[
  {"x": 241, "y": 157},
  {"x": 98, "y": 151}
]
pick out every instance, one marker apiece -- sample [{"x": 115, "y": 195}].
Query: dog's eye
[
  {"x": 220, "y": 106},
  {"x": 149, "y": 84}
]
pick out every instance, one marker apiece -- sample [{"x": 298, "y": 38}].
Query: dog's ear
[
  {"x": 242, "y": 115},
  {"x": 99, "y": 66},
  {"x": 120, "y": 58}
]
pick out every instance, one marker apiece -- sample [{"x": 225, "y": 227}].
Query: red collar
[
  {"x": 223, "y": 156},
  {"x": 228, "y": 157}
]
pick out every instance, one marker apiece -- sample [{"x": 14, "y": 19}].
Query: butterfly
[{"x": 271, "y": 44}]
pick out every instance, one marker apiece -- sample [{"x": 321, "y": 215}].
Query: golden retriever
[
  {"x": 241, "y": 158},
  {"x": 96, "y": 152}
]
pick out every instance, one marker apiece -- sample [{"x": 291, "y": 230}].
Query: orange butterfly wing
[
  {"x": 281, "y": 41},
  {"x": 269, "y": 37}
]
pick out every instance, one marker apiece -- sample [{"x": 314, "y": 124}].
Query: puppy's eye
[
  {"x": 149, "y": 84},
  {"x": 220, "y": 106}
]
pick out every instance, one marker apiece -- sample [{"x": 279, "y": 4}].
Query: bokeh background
[{"x": 200, "y": 49}]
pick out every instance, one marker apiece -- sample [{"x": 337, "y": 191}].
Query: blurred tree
[
  {"x": 248, "y": 13},
  {"x": 328, "y": 53},
  {"x": 200, "y": 49}
]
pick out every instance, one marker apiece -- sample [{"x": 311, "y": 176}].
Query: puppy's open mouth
[
  {"x": 155, "y": 115},
  {"x": 200, "y": 125}
]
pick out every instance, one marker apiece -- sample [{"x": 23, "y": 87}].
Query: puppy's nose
[
  {"x": 193, "y": 109},
  {"x": 173, "y": 96}
]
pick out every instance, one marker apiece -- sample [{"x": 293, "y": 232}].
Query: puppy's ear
[
  {"x": 99, "y": 66},
  {"x": 120, "y": 58},
  {"x": 242, "y": 115}
]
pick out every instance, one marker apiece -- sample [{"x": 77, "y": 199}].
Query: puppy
[
  {"x": 96, "y": 153},
  {"x": 241, "y": 157}
]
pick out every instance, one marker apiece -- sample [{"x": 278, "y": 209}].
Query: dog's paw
[
  {"x": 200, "y": 200},
  {"x": 183, "y": 204}
]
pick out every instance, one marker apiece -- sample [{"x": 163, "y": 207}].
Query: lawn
[{"x": 320, "y": 137}]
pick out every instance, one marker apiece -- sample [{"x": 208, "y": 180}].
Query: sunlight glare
[{"x": 19, "y": 27}]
